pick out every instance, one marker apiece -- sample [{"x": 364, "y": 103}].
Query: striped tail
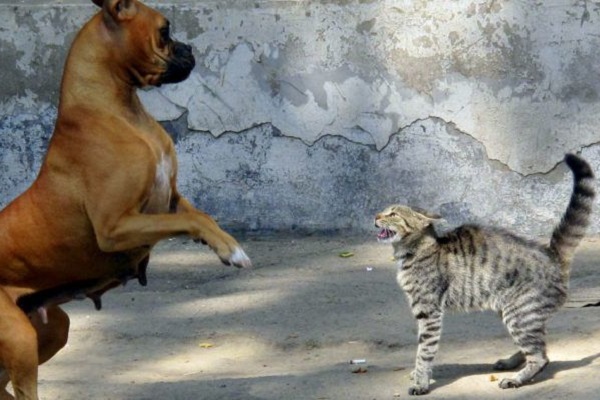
[{"x": 568, "y": 234}]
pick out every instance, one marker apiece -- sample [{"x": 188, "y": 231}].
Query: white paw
[{"x": 240, "y": 259}]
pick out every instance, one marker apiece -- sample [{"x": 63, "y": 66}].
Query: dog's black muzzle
[{"x": 180, "y": 65}]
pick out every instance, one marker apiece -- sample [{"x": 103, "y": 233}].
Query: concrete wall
[{"x": 313, "y": 115}]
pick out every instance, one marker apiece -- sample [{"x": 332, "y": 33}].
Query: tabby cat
[{"x": 480, "y": 268}]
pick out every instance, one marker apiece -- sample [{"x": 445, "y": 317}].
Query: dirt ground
[{"x": 288, "y": 328}]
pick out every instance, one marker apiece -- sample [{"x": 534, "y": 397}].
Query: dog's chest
[{"x": 160, "y": 194}]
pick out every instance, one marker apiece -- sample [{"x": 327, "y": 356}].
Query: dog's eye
[{"x": 165, "y": 34}]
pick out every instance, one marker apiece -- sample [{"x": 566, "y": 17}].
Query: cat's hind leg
[
  {"x": 535, "y": 364},
  {"x": 527, "y": 330}
]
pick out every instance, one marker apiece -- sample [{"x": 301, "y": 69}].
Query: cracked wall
[{"x": 313, "y": 115}]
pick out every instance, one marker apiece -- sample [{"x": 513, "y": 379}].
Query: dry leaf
[
  {"x": 346, "y": 254},
  {"x": 206, "y": 345},
  {"x": 493, "y": 378}
]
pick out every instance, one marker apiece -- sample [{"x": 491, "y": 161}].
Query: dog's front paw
[
  {"x": 240, "y": 259},
  {"x": 418, "y": 390},
  {"x": 230, "y": 252}
]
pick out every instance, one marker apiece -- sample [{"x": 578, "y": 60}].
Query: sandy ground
[{"x": 288, "y": 328}]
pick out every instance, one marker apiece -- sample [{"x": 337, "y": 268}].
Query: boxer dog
[{"x": 106, "y": 192}]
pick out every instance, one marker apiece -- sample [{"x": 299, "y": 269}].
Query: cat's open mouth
[{"x": 386, "y": 234}]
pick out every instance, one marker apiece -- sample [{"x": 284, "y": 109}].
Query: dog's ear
[{"x": 118, "y": 10}]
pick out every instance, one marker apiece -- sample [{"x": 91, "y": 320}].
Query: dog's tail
[{"x": 571, "y": 229}]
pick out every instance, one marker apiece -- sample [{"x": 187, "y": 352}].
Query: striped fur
[
  {"x": 570, "y": 231},
  {"x": 481, "y": 268}
]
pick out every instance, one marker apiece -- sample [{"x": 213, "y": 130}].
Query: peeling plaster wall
[{"x": 313, "y": 115}]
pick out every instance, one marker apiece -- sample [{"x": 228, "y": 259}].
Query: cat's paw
[
  {"x": 418, "y": 390},
  {"x": 412, "y": 375},
  {"x": 508, "y": 383}
]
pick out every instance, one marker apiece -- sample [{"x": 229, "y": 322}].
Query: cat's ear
[{"x": 426, "y": 214}]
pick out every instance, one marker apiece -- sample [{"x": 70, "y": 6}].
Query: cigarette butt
[{"x": 358, "y": 361}]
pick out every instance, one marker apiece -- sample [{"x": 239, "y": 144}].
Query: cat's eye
[{"x": 393, "y": 214}]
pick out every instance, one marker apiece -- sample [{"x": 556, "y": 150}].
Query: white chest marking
[
  {"x": 160, "y": 196},
  {"x": 162, "y": 181}
]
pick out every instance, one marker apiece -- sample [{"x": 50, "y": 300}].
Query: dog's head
[{"x": 140, "y": 40}]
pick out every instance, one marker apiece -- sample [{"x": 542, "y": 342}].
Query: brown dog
[{"x": 106, "y": 192}]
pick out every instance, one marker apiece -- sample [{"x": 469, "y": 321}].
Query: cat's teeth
[{"x": 385, "y": 233}]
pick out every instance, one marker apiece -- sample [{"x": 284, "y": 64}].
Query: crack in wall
[{"x": 452, "y": 128}]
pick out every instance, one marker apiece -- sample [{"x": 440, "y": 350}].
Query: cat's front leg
[
  {"x": 430, "y": 330},
  {"x": 420, "y": 378}
]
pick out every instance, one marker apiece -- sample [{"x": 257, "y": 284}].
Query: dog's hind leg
[
  {"x": 18, "y": 348},
  {"x": 52, "y": 336},
  {"x": 4, "y": 380}
]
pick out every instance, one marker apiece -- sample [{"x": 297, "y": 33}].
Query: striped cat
[{"x": 479, "y": 268}]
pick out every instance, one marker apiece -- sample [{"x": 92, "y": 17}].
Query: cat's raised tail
[{"x": 571, "y": 229}]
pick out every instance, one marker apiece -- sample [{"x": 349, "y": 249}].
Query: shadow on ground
[{"x": 288, "y": 328}]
